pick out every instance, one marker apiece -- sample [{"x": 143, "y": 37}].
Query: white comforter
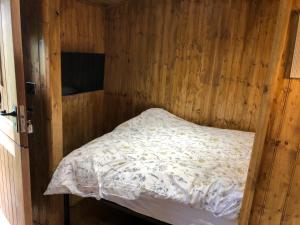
[{"x": 159, "y": 155}]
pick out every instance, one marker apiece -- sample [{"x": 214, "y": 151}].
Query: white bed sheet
[
  {"x": 159, "y": 156},
  {"x": 171, "y": 212}
]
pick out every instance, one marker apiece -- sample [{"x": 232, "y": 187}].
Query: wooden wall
[
  {"x": 41, "y": 44},
  {"x": 43, "y": 40},
  {"x": 13, "y": 209},
  {"x": 207, "y": 61},
  {"x": 202, "y": 60},
  {"x": 277, "y": 196},
  {"x": 82, "y": 26},
  {"x": 82, "y": 30},
  {"x": 83, "y": 116}
]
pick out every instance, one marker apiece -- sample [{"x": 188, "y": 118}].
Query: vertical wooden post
[
  {"x": 52, "y": 48},
  {"x": 41, "y": 46},
  {"x": 282, "y": 23}
]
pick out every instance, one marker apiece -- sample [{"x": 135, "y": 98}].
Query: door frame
[
  {"x": 22, "y": 117},
  {"x": 10, "y": 137},
  {"x": 19, "y": 69}
]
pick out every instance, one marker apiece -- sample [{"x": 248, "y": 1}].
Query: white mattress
[
  {"x": 171, "y": 212},
  {"x": 158, "y": 156}
]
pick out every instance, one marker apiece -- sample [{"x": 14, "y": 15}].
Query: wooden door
[{"x": 15, "y": 198}]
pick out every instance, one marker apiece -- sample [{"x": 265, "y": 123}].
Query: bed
[{"x": 163, "y": 167}]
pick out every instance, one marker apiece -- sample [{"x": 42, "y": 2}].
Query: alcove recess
[{"x": 82, "y": 48}]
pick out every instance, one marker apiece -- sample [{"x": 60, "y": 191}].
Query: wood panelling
[
  {"x": 277, "y": 197},
  {"x": 211, "y": 62},
  {"x": 8, "y": 199},
  {"x": 205, "y": 61},
  {"x": 76, "y": 26},
  {"x": 15, "y": 202},
  {"x": 82, "y": 119},
  {"x": 82, "y": 27},
  {"x": 278, "y": 46},
  {"x": 41, "y": 44},
  {"x": 280, "y": 160},
  {"x": 82, "y": 30},
  {"x": 14, "y": 210},
  {"x": 53, "y": 106},
  {"x": 32, "y": 33},
  {"x": 292, "y": 210}
]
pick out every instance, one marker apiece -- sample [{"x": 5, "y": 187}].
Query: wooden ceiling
[{"x": 107, "y": 2}]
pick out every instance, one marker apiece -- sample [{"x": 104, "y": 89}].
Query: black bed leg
[{"x": 67, "y": 210}]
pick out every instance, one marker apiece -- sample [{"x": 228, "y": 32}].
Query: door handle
[{"x": 13, "y": 113}]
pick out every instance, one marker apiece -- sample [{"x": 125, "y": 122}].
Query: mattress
[
  {"x": 159, "y": 156},
  {"x": 171, "y": 212}
]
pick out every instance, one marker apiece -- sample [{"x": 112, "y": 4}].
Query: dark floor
[{"x": 92, "y": 212}]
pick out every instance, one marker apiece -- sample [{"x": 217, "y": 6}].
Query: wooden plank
[
  {"x": 19, "y": 73},
  {"x": 6, "y": 191},
  {"x": 15, "y": 177},
  {"x": 292, "y": 213},
  {"x": 51, "y": 69},
  {"x": 176, "y": 55},
  {"x": 281, "y": 156},
  {"x": 42, "y": 50},
  {"x": 32, "y": 35},
  {"x": 14, "y": 186},
  {"x": 206, "y": 61},
  {"x": 3, "y": 203},
  {"x": 282, "y": 22},
  {"x": 173, "y": 66},
  {"x": 83, "y": 116},
  {"x": 82, "y": 30},
  {"x": 82, "y": 27},
  {"x": 41, "y": 44}
]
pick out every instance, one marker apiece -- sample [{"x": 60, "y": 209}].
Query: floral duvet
[{"x": 161, "y": 156}]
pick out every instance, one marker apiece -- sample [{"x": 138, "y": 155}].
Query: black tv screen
[{"x": 82, "y": 72}]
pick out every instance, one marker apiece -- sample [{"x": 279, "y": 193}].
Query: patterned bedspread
[{"x": 159, "y": 155}]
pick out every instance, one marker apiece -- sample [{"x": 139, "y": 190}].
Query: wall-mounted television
[{"x": 82, "y": 72}]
